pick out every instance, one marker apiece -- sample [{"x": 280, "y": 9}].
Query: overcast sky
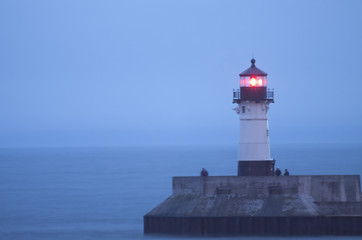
[{"x": 86, "y": 73}]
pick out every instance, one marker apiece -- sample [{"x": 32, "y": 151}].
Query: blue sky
[{"x": 87, "y": 73}]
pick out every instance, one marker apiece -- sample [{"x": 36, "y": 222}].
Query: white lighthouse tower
[{"x": 253, "y": 99}]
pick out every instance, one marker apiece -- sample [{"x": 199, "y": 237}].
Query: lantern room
[
  {"x": 253, "y": 77},
  {"x": 253, "y": 81},
  {"x": 253, "y": 85}
]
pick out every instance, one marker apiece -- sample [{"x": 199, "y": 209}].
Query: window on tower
[{"x": 243, "y": 109}]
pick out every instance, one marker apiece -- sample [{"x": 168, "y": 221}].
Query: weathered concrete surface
[
  {"x": 262, "y": 196},
  {"x": 282, "y": 201},
  {"x": 232, "y": 205},
  {"x": 320, "y": 187}
]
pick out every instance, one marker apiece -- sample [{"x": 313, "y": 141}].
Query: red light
[{"x": 252, "y": 82}]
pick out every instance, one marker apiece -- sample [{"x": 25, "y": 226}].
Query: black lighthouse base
[{"x": 256, "y": 168}]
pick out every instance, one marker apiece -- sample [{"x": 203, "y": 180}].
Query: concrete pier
[{"x": 265, "y": 205}]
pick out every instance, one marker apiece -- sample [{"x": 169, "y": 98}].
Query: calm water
[{"x": 103, "y": 193}]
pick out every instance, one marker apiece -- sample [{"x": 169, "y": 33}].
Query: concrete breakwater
[{"x": 260, "y": 205}]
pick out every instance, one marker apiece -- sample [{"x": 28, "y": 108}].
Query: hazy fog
[{"x": 87, "y": 73}]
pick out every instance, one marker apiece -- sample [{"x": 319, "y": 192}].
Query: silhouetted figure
[
  {"x": 286, "y": 173},
  {"x": 278, "y": 172},
  {"x": 204, "y": 173}
]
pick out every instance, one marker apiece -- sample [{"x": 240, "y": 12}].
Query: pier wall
[
  {"x": 325, "y": 188},
  {"x": 253, "y": 205},
  {"x": 255, "y": 226}
]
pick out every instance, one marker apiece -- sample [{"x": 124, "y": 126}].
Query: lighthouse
[
  {"x": 253, "y": 99},
  {"x": 256, "y": 203}
]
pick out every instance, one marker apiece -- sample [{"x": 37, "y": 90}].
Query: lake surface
[{"x": 103, "y": 193}]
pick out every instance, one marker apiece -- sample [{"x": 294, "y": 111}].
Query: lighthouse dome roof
[{"x": 252, "y": 71}]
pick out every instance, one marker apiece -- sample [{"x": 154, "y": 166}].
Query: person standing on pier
[{"x": 204, "y": 173}]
